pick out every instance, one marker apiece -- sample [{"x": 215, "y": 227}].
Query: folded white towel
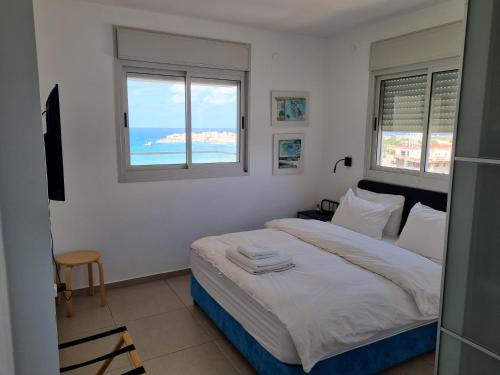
[
  {"x": 262, "y": 270},
  {"x": 277, "y": 260},
  {"x": 254, "y": 252},
  {"x": 259, "y": 266}
]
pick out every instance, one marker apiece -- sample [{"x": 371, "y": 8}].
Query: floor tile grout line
[
  {"x": 176, "y": 294},
  {"x": 234, "y": 365},
  {"x": 211, "y": 338},
  {"x": 117, "y": 324},
  {"x": 150, "y": 316},
  {"x": 87, "y": 331},
  {"x": 71, "y": 333},
  {"x": 62, "y": 315},
  {"x": 206, "y": 330},
  {"x": 112, "y": 315},
  {"x": 227, "y": 356},
  {"x": 147, "y": 316},
  {"x": 169, "y": 287},
  {"x": 62, "y": 306},
  {"x": 189, "y": 307},
  {"x": 177, "y": 351}
]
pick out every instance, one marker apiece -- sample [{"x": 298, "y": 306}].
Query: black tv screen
[{"x": 53, "y": 147}]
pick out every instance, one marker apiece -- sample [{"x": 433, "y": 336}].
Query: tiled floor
[{"x": 171, "y": 335}]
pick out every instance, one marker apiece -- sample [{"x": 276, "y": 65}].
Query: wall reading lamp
[{"x": 347, "y": 163}]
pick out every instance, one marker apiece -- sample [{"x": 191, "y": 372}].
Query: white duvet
[{"x": 344, "y": 289}]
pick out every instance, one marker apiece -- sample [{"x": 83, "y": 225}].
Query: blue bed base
[{"x": 368, "y": 359}]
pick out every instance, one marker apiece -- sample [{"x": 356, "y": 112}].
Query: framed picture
[
  {"x": 288, "y": 153},
  {"x": 289, "y": 108}
]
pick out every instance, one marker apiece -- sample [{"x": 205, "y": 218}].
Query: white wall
[
  {"x": 146, "y": 228},
  {"x": 348, "y": 88}
]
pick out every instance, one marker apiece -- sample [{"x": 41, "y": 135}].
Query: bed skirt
[{"x": 368, "y": 359}]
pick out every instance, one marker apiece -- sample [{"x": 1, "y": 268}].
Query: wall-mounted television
[{"x": 53, "y": 147}]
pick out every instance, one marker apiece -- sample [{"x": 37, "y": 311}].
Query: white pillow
[
  {"x": 424, "y": 232},
  {"x": 394, "y": 203},
  {"x": 362, "y": 216}
]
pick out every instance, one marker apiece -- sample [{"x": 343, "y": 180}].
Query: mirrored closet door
[{"x": 470, "y": 319}]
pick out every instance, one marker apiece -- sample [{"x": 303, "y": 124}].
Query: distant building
[{"x": 407, "y": 155}]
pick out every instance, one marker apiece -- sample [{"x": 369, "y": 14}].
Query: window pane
[
  {"x": 458, "y": 358},
  {"x": 401, "y": 149},
  {"x": 441, "y": 121},
  {"x": 214, "y": 121},
  {"x": 401, "y": 119},
  {"x": 157, "y": 117},
  {"x": 471, "y": 301}
]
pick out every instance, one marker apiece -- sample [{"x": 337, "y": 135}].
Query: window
[
  {"x": 182, "y": 124},
  {"x": 214, "y": 121},
  {"x": 181, "y": 106},
  {"x": 414, "y": 121},
  {"x": 156, "y": 119},
  {"x": 444, "y": 96}
]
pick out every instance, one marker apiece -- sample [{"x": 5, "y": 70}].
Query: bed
[{"x": 331, "y": 314}]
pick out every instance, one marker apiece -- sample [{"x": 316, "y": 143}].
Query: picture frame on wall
[
  {"x": 290, "y": 108},
  {"x": 288, "y": 153}
]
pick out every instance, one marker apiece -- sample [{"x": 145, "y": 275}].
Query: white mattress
[{"x": 264, "y": 327}]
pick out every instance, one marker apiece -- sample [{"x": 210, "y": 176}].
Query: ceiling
[{"x": 309, "y": 17}]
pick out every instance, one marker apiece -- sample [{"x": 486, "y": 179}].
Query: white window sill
[{"x": 198, "y": 172}]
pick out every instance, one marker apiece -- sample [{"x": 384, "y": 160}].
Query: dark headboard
[{"x": 434, "y": 199}]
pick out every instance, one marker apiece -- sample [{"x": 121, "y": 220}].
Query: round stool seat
[{"x": 76, "y": 258}]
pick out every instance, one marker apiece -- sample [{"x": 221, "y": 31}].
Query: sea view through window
[{"x": 157, "y": 120}]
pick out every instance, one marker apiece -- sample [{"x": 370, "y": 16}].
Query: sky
[{"x": 160, "y": 103}]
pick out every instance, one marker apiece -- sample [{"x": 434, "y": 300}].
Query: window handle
[
  {"x": 125, "y": 119},
  {"x": 375, "y": 122},
  {"x": 242, "y": 122}
]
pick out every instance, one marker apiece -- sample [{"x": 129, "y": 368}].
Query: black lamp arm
[{"x": 347, "y": 162}]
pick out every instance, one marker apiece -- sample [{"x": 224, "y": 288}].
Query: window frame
[
  {"x": 420, "y": 178},
  {"x": 188, "y": 170}
]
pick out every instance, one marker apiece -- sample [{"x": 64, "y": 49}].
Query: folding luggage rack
[{"x": 124, "y": 345}]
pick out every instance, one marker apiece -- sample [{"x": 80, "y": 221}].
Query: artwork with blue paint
[
  {"x": 290, "y": 152},
  {"x": 290, "y": 108}
]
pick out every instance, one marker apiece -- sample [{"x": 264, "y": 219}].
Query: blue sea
[
  {"x": 144, "y": 149},
  {"x": 434, "y": 134}
]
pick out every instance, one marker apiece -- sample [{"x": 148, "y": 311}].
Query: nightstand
[{"x": 328, "y": 208}]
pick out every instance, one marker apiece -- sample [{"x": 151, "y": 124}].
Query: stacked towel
[
  {"x": 272, "y": 262},
  {"x": 254, "y": 252}
]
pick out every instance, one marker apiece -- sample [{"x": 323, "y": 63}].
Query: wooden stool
[{"x": 78, "y": 258}]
